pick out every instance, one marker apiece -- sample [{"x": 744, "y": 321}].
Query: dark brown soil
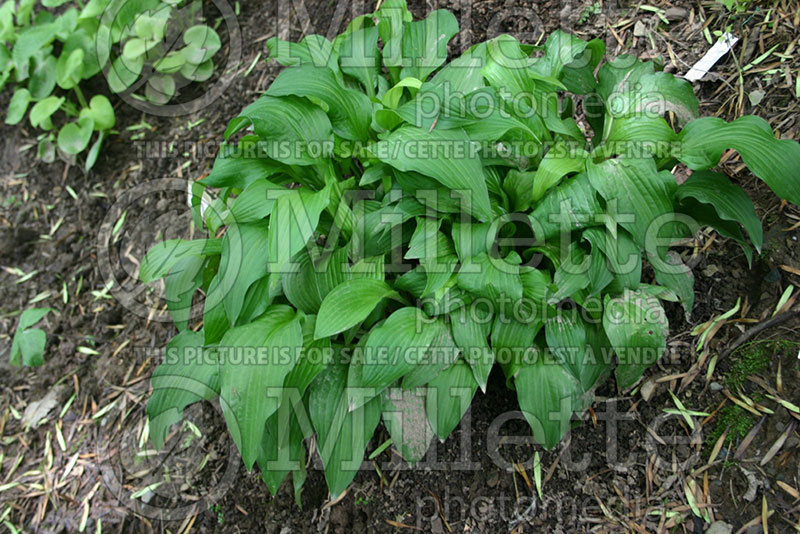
[{"x": 611, "y": 474}]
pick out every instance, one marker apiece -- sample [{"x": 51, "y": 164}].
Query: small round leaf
[
  {"x": 134, "y": 48},
  {"x": 18, "y": 106},
  {"x": 74, "y": 137},
  {"x": 202, "y": 43},
  {"x": 69, "y": 70},
  {"x": 160, "y": 89},
  {"x": 170, "y": 63},
  {"x": 42, "y": 110},
  {"x": 123, "y": 73},
  {"x": 43, "y": 78},
  {"x": 101, "y": 112},
  {"x": 198, "y": 73}
]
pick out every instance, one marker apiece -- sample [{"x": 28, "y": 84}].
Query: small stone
[
  {"x": 719, "y": 527},
  {"x": 715, "y": 386},
  {"x": 147, "y": 496},
  {"x": 647, "y": 390},
  {"x": 639, "y": 29},
  {"x": 676, "y": 13},
  {"x": 756, "y": 97}
]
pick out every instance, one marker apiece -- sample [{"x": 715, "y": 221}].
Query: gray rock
[
  {"x": 719, "y": 527},
  {"x": 676, "y": 13}
]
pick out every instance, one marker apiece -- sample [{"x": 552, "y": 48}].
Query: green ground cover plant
[
  {"x": 390, "y": 227},
  {"x": 49, "y": 51}
]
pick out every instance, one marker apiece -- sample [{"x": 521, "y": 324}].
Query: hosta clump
[
  {"x": 390, "y": 227},
  {"x": 50, "y": 55}
]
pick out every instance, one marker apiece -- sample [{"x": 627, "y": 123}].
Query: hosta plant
[
  {"x": 390, "y": 227},
  {"x": 49, "y": 56}
]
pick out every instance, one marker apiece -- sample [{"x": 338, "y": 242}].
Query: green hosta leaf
[
  {"x": 273, "y": 342},
  {"x": 372, "y": 267},
  {"x": 571, "y": 206},
  {"x": 180, "y": 286},
  {"x": 350, "y": 111},
  {"x": 162, "y": 257},
  {"x": 673, "y": 274},
  {"x": 243, "y": 261},
  {"x": 557, "y": 163},
  {"x": 18, "y": 106},
  {"x": 491, "y": 278},
  {"x": 623, "y": 258},
  {"x": 506, "y": 67},
  {"x": 342, "y": 435},
  {"x": 449, "y": 396},
  {"x": 578, "y": 75},
  {"x": 630, "y": 87},
  {"x": 572, "y": 275},
  {"x": 360, "y": 58},
  {"x": 309, "y": 281},
  {"x": 518, "y": 186},
  {"x": 546, "y": 393},
  {"x": 202, "y": 43},
  {"x": 187, "y": 374},
  {"x": 441, "y": 354},
  {"x": 703, "y": 141},
  {"x": 654, "y": 94},
  {"x": 293, "y": 222},
  {"x": 650, "y": 135},
  {"x": 258, "y": 297},
  {"x": 240, "y": 166},
  {"x": 560, "y": 50},
  {"x": 74, "y": 137},
  {"x": 712, "y": 200},
  {"x": 404, "y": 416},
  {"x": 643, "y": 202},
  {"x": 27, "y": 347},
  {"x": 425, "y": 43},
  {"x": 255, "y": 203},
  {"x": 395, "y": 347},
  {"x": 461, "y": 172},
  {"x": 637, "y": 328},
  {"x": 392, "y": 16},
  {"x": 349, "y": 304},
  {"x": 317, "y": 354},
  {"x": 392, "y": 97},
  {"x": 313, "y": 50},
  {"x": 569, "y": 337},
  {"x": 293, "y": 131},
  {"x": 282, "y": 450},
  {"x": 512, "y": 341}
]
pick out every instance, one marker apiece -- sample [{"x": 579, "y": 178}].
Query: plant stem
[{"x": 81, "y": 99}]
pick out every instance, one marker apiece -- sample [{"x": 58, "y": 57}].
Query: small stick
[{"x": 774, "y": 321}]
